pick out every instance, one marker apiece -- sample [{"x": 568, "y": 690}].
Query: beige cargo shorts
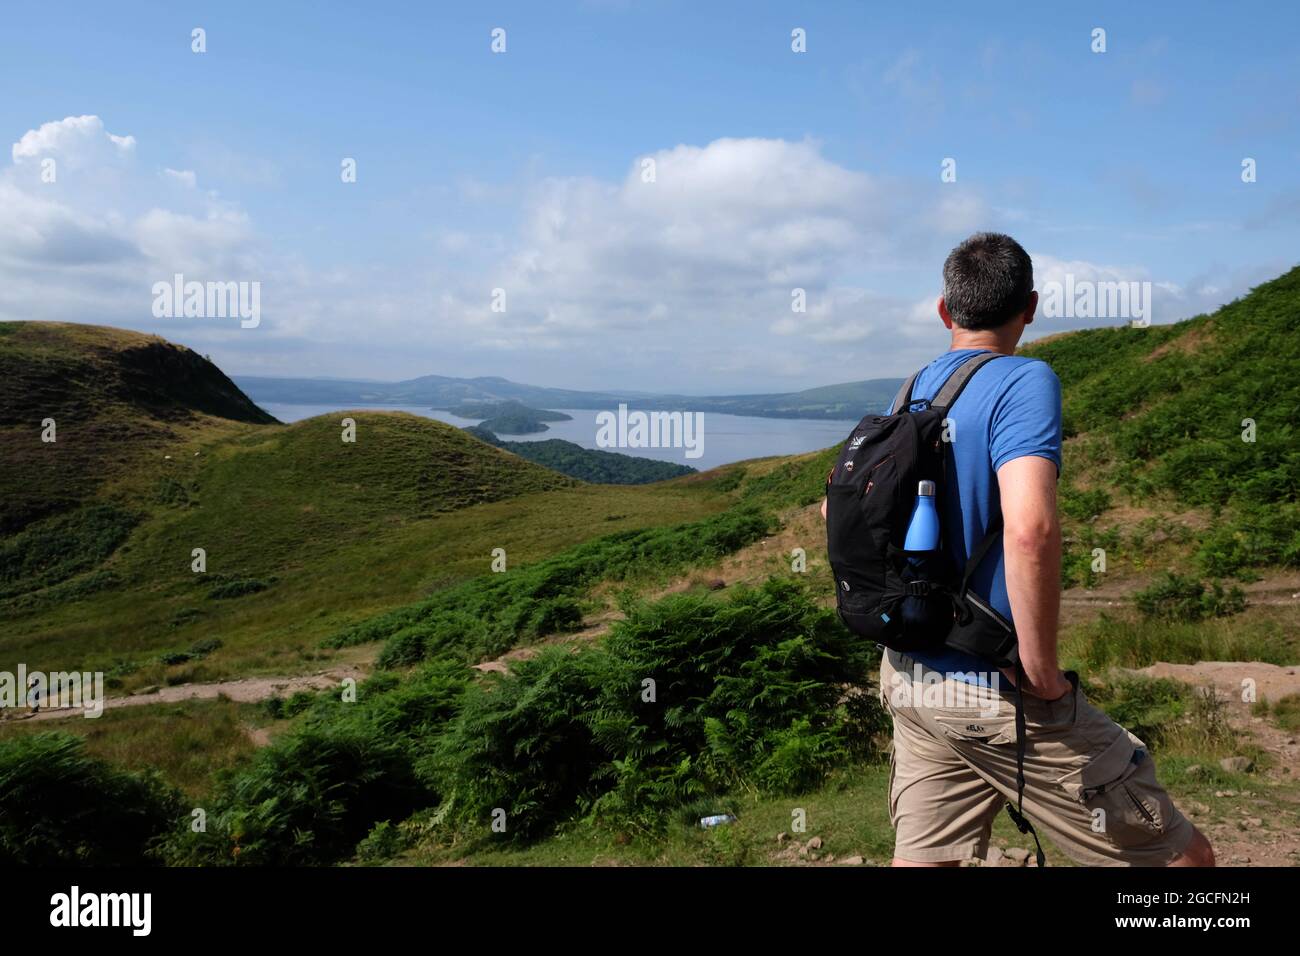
[{"x": 1089, "y": 784}]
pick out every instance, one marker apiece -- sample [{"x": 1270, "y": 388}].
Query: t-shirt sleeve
[{"x": 1027, "y": 418}]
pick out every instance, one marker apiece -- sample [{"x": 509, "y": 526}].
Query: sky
[{"x": 631, "y": 194}]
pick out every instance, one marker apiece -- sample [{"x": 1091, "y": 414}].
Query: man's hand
[
  {"x": 1031, "y": 541},
  {"x": 823, "y": 509},
  {"x": 1059, "y": 689}
]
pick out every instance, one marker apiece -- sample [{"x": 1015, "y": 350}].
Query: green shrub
[
  {"x": 318, "y": 790},
  {"x": 237, "y": 587},
  {"x": 308, "y": 799},
  {"x": 1167, "y": 714},
  {"x": 1251, "y": 536},
  {"x": 206, "y": 646},
  {"x": 689, "y": 697},
  {"x": 487, "y": 616},
  {"x": 750, "y": 690},
  {"x": 408, "y": 646},
  {"x": 60, "y": 807},
  {"x": 1144, "y": 706},
  {"x": 57, "y": 548},
  {"x": 1174, "y": 597},
  {"x": 1285, "y": 711},
  {"x": 523, "y": 744},
  {"x": 754, "y": 691},
  {"x": 1083, "y": 505},
  {"x": 1077, "y": 555},
  {"x": 383, "y": 842}
]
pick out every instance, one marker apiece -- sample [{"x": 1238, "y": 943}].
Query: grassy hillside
[
  {"x": 116, "y": 398},
  {"x": 302, "y": 534},
  {"x": 302, "y": 531},
  {"x": 1154, "y": 419},
  {"x": 755, "y": 701}
]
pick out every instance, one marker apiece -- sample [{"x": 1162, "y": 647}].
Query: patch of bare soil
[
  {"x": 1247, "y": 828},
  {"x": 799, "y": 852},
  {"x": 1269, "y": 681},
  {"x": 753, "y": 564},
  {"x": 1189, "y": 343},
  {"x": 501, "y": 665}
]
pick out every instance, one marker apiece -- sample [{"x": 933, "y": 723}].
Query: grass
[
  {"x": 188, "y": 743},
  {"x": 490, "y": 614},
  {"x": 850, "y": 813},
  {"x": 1159, "y": 414},
  {"x": 116, "y": 399},
  {"x": 1126, "y": 639},
  {"x": 339, "y": 551},
  {"x": 1285, "y": 712}
]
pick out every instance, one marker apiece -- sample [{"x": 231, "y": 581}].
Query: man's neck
[{"x": 993, "y": 339}]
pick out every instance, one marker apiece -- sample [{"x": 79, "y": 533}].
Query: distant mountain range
[{"x": 850, "y": 400}]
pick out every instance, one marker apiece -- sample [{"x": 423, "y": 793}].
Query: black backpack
[
  {"x": 906, "y": 602},
  {"x": 912, "y": 602}
]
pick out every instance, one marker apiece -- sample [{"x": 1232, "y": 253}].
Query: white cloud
[
  {"x": 76, "y": 139},
  {"x": 718, "y": 239},
  {"x": 88, "y": 243},
  {"x": 683, "y": 283}
]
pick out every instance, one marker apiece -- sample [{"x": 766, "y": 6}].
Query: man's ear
[
  {"x": 1031, "y": 308},
  {"x": 943, "y": 314}
]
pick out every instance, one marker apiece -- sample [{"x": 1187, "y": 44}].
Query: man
[{"x": 1089, "y": 783}]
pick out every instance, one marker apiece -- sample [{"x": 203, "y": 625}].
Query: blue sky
[{"x": 521, "y": 171}]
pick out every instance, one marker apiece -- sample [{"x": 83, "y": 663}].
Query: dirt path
[
  {"x": 246, "y": 690},
  {"x": 1249, "y": 827}
]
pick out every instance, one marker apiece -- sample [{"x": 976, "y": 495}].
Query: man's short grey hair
[{"x": 987, "y": 281}]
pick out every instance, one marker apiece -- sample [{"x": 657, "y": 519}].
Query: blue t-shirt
[{"x": 1010, "y": 408}]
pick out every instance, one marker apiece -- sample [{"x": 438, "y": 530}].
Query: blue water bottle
[
  {"x": 922, "y": 546},
  {"x": 923, "y": 528}
]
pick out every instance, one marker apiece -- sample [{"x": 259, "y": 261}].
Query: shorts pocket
[
  {"x": 1118, "y": 788},
  {"x": 1057, "y": 716},
  {"x": 976, "y": 728}
]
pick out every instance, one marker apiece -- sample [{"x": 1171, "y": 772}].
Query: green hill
[
  {"x": 515, "y": 423},
  {"x": 496, "y": 409},
  {"x": 115, "y": 397},
  {"x": 1160, "y": 418},
  {"x": 586, "y": 464},
  {"x": 158, "y": 454}
]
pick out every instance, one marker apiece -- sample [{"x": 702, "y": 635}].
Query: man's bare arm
[{"x": 1031, "y": 539}]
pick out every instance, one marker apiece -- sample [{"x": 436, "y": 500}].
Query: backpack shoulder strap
[
  {"x": 947, "y": 395},
  {"x": 951, "y": 388},
  {"x": 961, "y": 375},
  {"x": 904, "y": 396}
]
